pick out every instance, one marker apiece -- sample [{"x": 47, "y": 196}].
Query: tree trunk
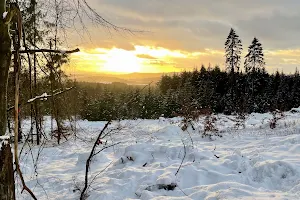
[
  {"x": 5, "y": 59},
  {"x": 7, "y": 186}
]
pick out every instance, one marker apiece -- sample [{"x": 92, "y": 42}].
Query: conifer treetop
[
  {"x": 233, "y": 50},
  {"x": 254, "y": 60}
]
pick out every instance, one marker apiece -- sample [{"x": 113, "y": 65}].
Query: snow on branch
[
  {"x": 4, "y": 137},
  {"x": 44, "y": 97},
  {"x": 4, "y": 140},
  {"x": 4, "y": 15}
]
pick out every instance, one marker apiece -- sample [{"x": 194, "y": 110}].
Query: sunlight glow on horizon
[
  {"x": 143, "y": 59},
  {"x": 151, "y": 59},
  {"x": 115, "y": 60}
]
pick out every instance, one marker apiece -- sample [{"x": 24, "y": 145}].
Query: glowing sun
[{"x": 121, "y": 61}]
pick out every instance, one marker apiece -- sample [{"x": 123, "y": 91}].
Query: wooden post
[{"x": 7, "y": 186}]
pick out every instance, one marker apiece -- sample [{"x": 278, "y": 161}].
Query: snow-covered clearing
[{"x": 252, "y": 163}]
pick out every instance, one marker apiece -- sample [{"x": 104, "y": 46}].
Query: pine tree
[
  {"x": 254, "y": 67},
  {"x": 233, "y": 50},
  {"x": 254, "y": 60}
]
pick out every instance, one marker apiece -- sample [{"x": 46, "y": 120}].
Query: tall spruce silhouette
[
  {"x": 254, "y": 60},
  {"x": 233, "y": 50},
  {"x": 254, "y": 67}
]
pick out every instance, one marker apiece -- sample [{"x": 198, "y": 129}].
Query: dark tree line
[
  {"x": 237, "y": 89},
  {"x": 184, "y": 93},
  {"x": 234, "y": 90},
  {"x": 256, "y": 91}
]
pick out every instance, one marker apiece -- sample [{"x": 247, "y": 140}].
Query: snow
[
  {"x": 4, "y": 15},
  {"x": 3, "y": 140},
  {"x": 43, "y": 97},
  {"x": 254, "y": 162}
]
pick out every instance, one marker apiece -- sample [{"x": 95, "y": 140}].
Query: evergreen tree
[
  {"x": 254, "y": 68},
  {"x": 233, "y": 50},
  {"x": 254, "y": 60}
]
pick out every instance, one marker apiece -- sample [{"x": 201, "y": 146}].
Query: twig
[
  {"x": 182, "y": 158},
  {"x": 191, "y": 138},
  {"x": 87, "y": 165},
  {"x": 109, "y": 132},
  {"x": 35, "y": 162},
  {"x": 214, "y": 153},
  {"x": 23, "y": 182},
  {"x": 99, "y": 173},
  {"x": 106, "y": 148},
  {"x": 182, "y": 191}
]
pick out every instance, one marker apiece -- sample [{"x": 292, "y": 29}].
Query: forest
[
  {"x": 174, "y": 95},
  {"x": 230, "y": 91}
]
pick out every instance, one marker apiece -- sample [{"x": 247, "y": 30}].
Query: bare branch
[
  {"x": 32, "y": 51},
  {"x": 94, "y": 178},
  {"x": 23, "y": 182},
  {"x": 106, "y": 148}
]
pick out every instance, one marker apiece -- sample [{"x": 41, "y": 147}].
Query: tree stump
[{"x": 7, "y": 183}]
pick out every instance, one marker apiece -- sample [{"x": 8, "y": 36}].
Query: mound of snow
[
  {"x": 254, "y": 162},
  {"x": 277, "y": 175}
]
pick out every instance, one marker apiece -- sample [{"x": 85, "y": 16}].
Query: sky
[{"x": 184, "y": 34}]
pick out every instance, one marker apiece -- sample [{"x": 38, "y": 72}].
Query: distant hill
[{"x": 131, "y": 78}]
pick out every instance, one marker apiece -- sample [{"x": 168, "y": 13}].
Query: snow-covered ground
[{"x": 254, "y": 162}]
